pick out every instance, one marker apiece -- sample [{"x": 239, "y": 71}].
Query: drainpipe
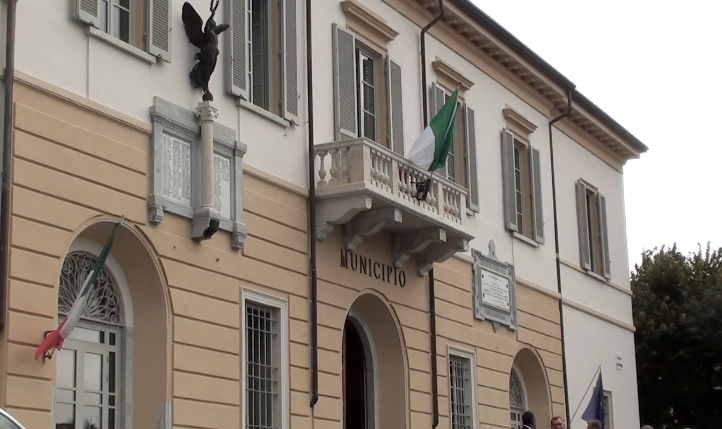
[
  {"x": 7, "y": 161},
  {"x": 556, "y": 247},
  {"x": 432, "y": 293},
  {"x": 312, "y": 214}
]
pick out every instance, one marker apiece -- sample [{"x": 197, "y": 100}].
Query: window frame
[
  {"x": 593, "y": 230},
  {"x": 607, "y": 406},
  {"x": 361, "y": 49},
  {"x": 522, "y": 147},
  {"x": 281, "y": 306},
  {"x": 470, "y": 356}
]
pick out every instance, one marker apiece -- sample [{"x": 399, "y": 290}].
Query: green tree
[{"x": 677, "y": 308}]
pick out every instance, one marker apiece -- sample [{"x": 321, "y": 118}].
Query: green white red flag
[
  {"x": 432, "y": 146},
  {"x": 54, "y": 340}
]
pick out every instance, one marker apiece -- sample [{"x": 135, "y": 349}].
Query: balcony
[{"x": 365, "y": 188}]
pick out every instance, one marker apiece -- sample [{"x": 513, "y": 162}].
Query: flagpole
[{"x": 585, "y": 393}]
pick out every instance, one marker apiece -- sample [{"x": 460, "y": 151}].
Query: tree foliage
[{"x": 677, "y": 308}]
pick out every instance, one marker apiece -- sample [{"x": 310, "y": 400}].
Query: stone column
[{"x": 205, "y": 218}]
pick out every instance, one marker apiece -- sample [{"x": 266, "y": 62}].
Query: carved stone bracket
[
  {"x": 338, "y": 212},
  {"x": 406, "y": 244},
  {"x": 440, "y": 253},
  {"x": 368, "y": 223}
]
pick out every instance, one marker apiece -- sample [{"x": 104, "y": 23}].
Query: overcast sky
[{"x": 655, "y": 69}]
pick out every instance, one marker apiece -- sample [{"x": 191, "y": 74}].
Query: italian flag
[
  {"x": 430, "y": 149},
  {"x": 55, "y": 339}
]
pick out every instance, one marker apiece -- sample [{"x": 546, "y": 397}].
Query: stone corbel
[
  {"x": 338, "y": 212},
  {"x": 406, "y": 244},
  {"x": 368, "y": 223},
  {"x": 440, "y": 253}
]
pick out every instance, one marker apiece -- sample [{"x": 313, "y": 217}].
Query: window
[
  {"x": 517, "y": 400},
  {"x": 461, "y": 160},
  {"x": 521, "y": 166},
  {"x": 462, "y": 389},
  {"x": 367, "y": 92},
  {"x": 259, "y": 77},
  {"x": 593, "y": 236},
  {"x": 89, "y": 385},
  {"x": 141, "y": 24},
  {"x": 607, "y": 405},
  {"x": 265, "y": 362}
]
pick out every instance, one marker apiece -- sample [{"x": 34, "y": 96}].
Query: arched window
[
  {"x": 517, "y": 399},
  {"x": 89, "y": 382}
]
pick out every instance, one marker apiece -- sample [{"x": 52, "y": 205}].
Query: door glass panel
[
  {"x": 65, "y": 369},
  {"x": 64, "y": 395},
  {"x": 93, "y": 372},
  {"x": 92, "y": 418},
  {"x": 64, "y": 414},
  {"x": 5, "y": 423},
  {"x": 84, "y": 334},
  {"x": 93, "y": 398}
]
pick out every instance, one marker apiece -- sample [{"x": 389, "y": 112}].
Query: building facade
[{"x": 496, "y": 294}]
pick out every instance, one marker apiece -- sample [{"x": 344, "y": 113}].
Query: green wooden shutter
[
  {"x": 438, "y": 97},
  {"x": 237, "y": 49},
  {"x": 159, "y": 27},
  {"x": 507, "y": 168},
  {"x": 290, "y": 60},
  {"x": 396, "y": 110},
  {"x": 583, "y": 224},
  {"x": 472, "y": 177},
  {"x": 603, "y": 237},
  {"x": 344, "y": 84},
  {"x": 536, "y": 195},
  {"x": 87, "y": 11}
]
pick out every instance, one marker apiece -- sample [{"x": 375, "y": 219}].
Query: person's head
[
  {"x": 594, "y": 424},
  {"x": 647, "y": 427},
  {"x": 558, "y": 423},
  {"x": 529, "y": 419}
]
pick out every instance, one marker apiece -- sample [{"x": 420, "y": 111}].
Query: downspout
[
  {"x": 7, "y": 161},
  {"x": 556, "y": 247},
  {"x": 432, "y": 292},
  {"x": 312, "y": 214}
]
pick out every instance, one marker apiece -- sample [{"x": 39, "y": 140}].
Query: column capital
[{"x": 206, "y": 112}]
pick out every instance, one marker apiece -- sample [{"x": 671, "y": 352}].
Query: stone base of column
[{"x": 205, "y": 223}]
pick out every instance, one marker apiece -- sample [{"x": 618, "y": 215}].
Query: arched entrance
[
  {"x": 528, "y": 388},
  {"x": 374, "y": 369},
  {"x": 105, "y": 368}
]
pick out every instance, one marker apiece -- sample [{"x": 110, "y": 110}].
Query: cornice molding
[
  {"x": 450, "y": 77},
  {"x": 361, "y": 19},
  {"x": 518, "y": 123}
]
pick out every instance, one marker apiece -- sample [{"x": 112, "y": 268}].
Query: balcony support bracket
[
  {"x": 440, "y": 253},
  {"x": 406, "y": 244},
  {"x": 367, "y": 224},
  {"x": 338, "y": 212}
]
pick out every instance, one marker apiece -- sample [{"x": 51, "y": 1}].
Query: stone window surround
[
  {"x": 372, "y": 27},
  {"x": 518, "y": 124},
  {"x": 176, "y": 121},
  {"x": 449, "y": 78}
]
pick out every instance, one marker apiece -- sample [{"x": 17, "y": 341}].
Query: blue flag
[{"x": 595, "y": 409}]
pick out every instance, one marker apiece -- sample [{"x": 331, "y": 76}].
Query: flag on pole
[
  {"x": 430, "y": 149},
  {"x": 595, "y": 409},
  {"x": 55, "y": 339}
]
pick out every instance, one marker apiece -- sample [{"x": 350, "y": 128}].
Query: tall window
[
  {"x": 523, "y": 210},
  {"x": 88, "y": 390},
  {"x": 607, "y": 405},
  {"x": 456, "y": 160},
  {"x": 462, "y": 388},
  {"x": 115, "y": 18},
  {"x": 367, "y": 93},
  {"x": 593, "y": 235},
  {"x": 264, "y": 71},
  {"x": 517, "y": 400},
  {"x": 266, "y": 363}
]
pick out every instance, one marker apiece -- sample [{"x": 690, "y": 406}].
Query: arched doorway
[
  {"x": 374, "y": 368},
  {"x": 122, "y": 340},
  {"x": 528, "y": 388}
]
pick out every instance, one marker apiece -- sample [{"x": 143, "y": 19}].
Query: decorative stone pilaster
[{"x": 206, "y": 219}]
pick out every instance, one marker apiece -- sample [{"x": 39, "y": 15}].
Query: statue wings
[{"x": 193, "y": 25}]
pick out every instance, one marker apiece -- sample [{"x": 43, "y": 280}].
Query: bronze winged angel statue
[{"x": 205, "y": 39}]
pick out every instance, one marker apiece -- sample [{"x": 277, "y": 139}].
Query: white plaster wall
[
  {"x": 592, "y": 342},
  {"x": 54, "y": 47}
]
